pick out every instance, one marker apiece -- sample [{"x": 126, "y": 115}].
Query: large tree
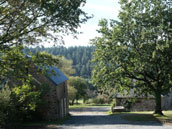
[
  {"x": 31, "y": 21},
  {"x": 135, "y": 51}
]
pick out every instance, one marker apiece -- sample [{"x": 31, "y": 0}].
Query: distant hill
[{"x": 81, "y": 57}]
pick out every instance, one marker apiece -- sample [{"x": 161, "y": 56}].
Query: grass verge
[
  {"x": 167, "y": 118},
  {"x": 146, "y": 116},
  {"x": 88, "y": 105}
]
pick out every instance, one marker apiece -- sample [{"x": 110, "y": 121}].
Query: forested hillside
[{"x": 80, "y": 56}]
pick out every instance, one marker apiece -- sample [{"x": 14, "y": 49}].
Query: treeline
[{"x": 81, "y": 57}]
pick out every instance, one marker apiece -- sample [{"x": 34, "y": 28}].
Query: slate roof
[{"x": 56, "y": 76}]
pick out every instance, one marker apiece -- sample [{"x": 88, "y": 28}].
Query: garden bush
[
  {"x": 113, "y": 103},
  {"x": 6, "y": 106},
  {"x": 100, "y": 99},
  {"x": 21, "y": 104}
]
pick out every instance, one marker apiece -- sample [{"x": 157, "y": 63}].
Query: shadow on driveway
[
  {"x": 106, "y": 120},
  {"x": 98, "y": 116}
]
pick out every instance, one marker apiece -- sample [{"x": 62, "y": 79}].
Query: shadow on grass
[{"x": 140, "y": 117}]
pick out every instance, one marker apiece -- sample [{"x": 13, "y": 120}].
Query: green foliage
[
  {"x": 80, "y": 85},
  {"x": 28, "y": 96},
  {"x": 65, "y": 65},
  {"x": 43, "y": 58},
  {"x": 5, "y": 102},
  {"x": 33, "y": 21},
  {"x": 19, "y": 66},
  {"x": 100, "y": 99},
  {"x": 80, "y": 57},
  {"x": 21, "y": 103},
  {"x": 29, "y": 101},
  {"x": 25, "y": 99},
  {"x": 113, "y": 103},
  {"x": 135, "y": 51},
  {"x": 72, "y": 94},
  {"x": 13, "y": 66}
]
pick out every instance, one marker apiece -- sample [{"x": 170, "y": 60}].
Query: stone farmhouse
[{"x": 57, "y": 97}]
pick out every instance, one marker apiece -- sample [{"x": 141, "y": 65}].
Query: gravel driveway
[{"x": 97, "y": 118}]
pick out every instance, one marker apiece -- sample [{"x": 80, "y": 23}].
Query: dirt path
[{"x": 97, "y": 118}]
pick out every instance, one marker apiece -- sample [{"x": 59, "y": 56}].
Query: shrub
[
  {"x": 72, "y": 94},
  {"x": 100, "y": 99},
  {"x": 5, "y": 106},
  {"x": 29, "y": 101},
  {"x": 21, "y": 104},
  {"x": 113, "y": 103}
]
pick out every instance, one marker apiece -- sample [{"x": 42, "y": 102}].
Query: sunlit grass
[
  {"x": 81, "y": 104},
  {"x": 145, "y": 116},
  {"x": 88, "y": 105},
  {"x": 167, "y": 116}
]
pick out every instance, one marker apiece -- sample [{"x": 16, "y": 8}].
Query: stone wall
[
  {"x": 144, "y": 104},
  {"x": 167, "y": 102},
  {"x": 62, "y": 97},
  {"x": 139, "y": 104}
]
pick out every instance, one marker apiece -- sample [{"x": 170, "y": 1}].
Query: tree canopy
[
  {"x": 81, "y": 57},
  {"x": 135, "y": 51},
  {"x": 65, "y": 66},
  {"x": 32, "y": 21},
  {"x": 80, "y": 85}
]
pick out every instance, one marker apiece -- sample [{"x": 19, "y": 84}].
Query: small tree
[
  {"x": 65, "y": 65},
  {"x": 72, "y": 94},
  {"x": 80, "y": 85}
]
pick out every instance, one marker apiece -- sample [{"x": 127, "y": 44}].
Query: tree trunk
[
  {"x": 158, "y": 109},
  {"x": 73, "y": 102}
]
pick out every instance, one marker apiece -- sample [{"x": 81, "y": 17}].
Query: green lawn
[
  {"x": 167, "y": 116},
  {"x": 146, "y": 116},
  {"x": 87, "y": 105},
  {"x": 139, "y": 116},
  {"x": 81, "y": 104}
]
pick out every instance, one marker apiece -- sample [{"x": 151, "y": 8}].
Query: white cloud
[
  {"x": 100, "y": 8},
  {"x": 108, "y": 9},
  {"x": 89, "y": 32}
]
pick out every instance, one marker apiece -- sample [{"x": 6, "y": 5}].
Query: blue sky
[{"x": 108, "y": 9}]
